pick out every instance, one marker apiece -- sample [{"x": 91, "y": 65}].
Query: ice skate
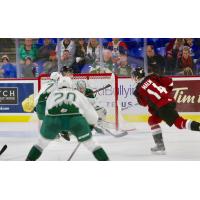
[{"x": 158, "y": 149}]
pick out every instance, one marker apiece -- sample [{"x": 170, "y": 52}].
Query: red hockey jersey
[{"x": 154, "y": 91}]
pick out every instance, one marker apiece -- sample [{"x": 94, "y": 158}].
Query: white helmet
[
  {"x": 65, "y": 82},
  {"x": 55, "y": 76}
]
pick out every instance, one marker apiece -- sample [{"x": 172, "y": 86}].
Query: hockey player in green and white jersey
[
  {"x": 69, "y": 110},
  {"x": 39, "y": 102},
  {"x": 101, "y": 111}
]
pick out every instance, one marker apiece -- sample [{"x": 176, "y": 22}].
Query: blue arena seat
[
  {"x": 40, "y": 41},
  {"x": 161, "y": 51},
  {"x": 137, "y": 52}
]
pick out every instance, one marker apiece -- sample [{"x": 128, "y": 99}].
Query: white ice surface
[{"x": 180, "y": 144}]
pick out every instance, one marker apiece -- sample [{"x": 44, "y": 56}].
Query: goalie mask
[{"x": 81, "y": 86}]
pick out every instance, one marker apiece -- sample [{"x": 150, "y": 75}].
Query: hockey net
[{"x": 107, "y": 98}]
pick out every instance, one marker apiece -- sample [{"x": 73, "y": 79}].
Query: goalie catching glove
[{"x": 28, "y": 104}]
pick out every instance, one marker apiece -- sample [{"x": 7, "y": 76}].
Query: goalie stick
[
  {"x": 120, "y": 134},
  {"x": 102, "y": 130},
  {"x": 125, "y": 130},
  {"x": 98, "y": 90},
  {"x": 3, "y": 149}
]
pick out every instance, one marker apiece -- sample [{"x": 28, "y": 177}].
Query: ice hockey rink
[{"x": 180, "y": 144}]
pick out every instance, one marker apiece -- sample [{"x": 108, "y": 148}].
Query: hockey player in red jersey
[{"x": 154, "y": 91}]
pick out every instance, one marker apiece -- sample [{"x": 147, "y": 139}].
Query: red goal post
[{"x": 107, "y": 98}]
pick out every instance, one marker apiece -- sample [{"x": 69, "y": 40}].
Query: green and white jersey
[
  {"x": 45, "y": 91},
  {"x": 67, "y": 101}
]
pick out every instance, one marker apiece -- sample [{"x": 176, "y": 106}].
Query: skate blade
[{"x": 158, "y": 152}]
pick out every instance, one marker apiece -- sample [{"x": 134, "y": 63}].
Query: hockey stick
[
  {"x": 121, "y": 134},
  {"x": 98, "y": 90},
  {"x": 74, "y": 151},
  {"x": 102, "y": 130},
  {"x": 126, "y": 130},
  {"x": 3, "y": 149}
]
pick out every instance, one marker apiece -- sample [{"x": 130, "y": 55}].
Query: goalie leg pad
[{"x": 102, "y": 112}]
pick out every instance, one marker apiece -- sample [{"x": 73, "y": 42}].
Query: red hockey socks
[
  {"x": 187, "y": 124},
  {"x": 180, "y": 123}
]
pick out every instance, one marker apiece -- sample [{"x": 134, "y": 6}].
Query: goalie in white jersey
[
  {"x": 101, "y": 126},
  {"x": 91, "y": 96},
  {"x": 68, "y": 110}
]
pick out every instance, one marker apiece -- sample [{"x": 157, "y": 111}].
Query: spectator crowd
[{"x": 44, "y": 56}]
